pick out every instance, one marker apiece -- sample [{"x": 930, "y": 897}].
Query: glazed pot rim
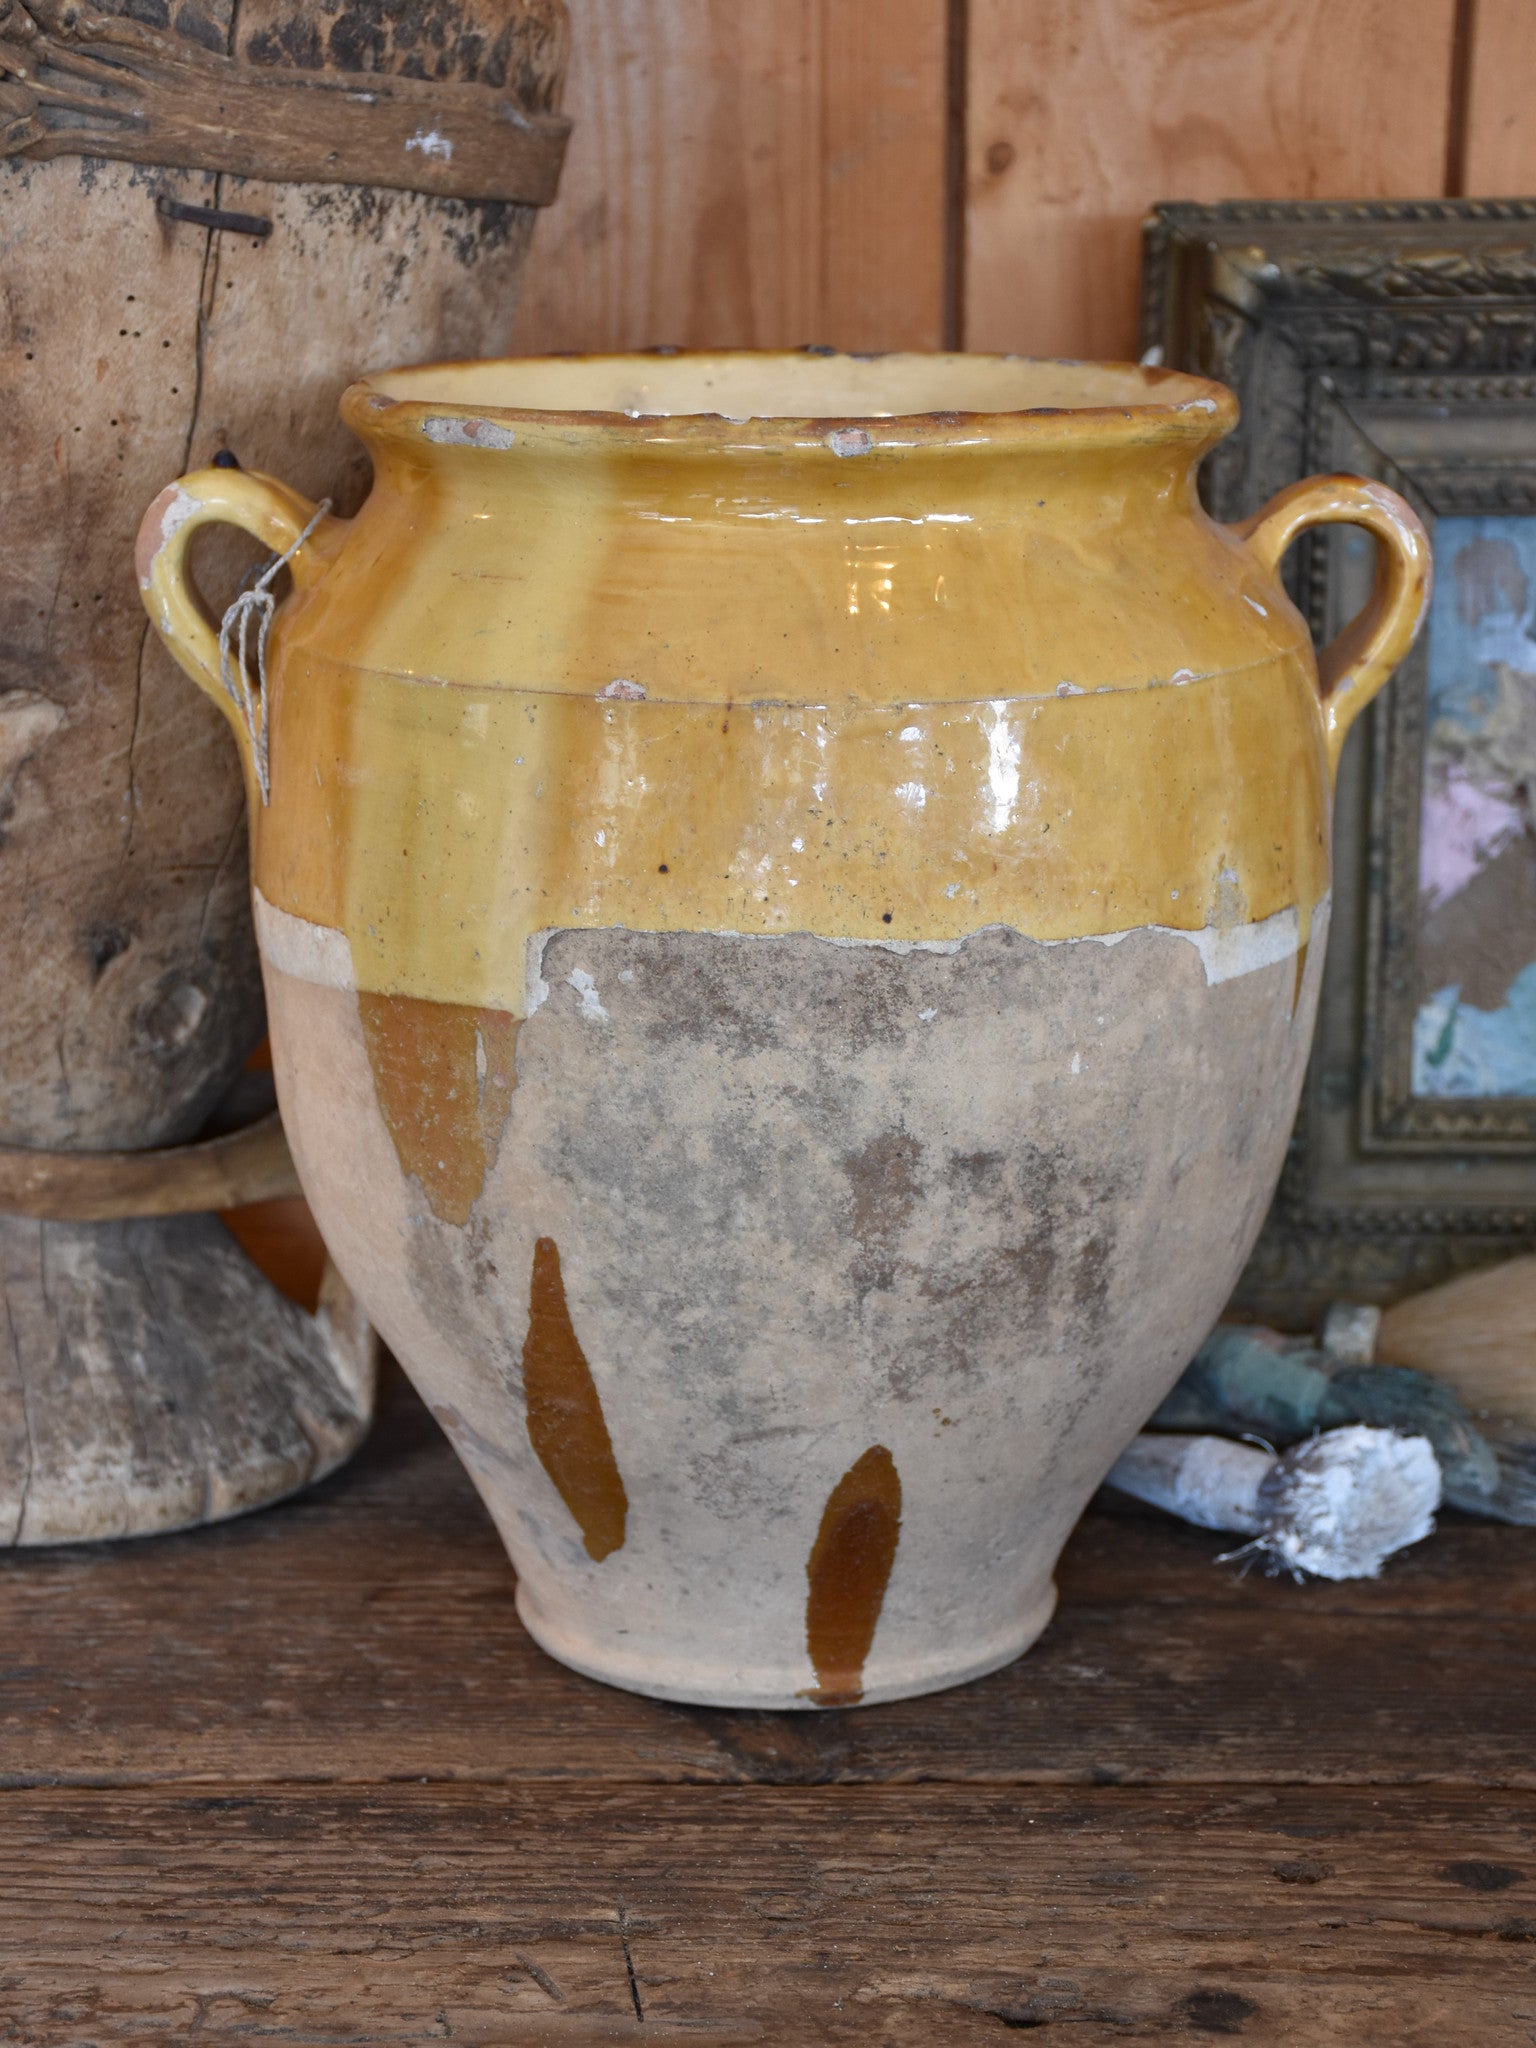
[{"x": 1131, "y": 403}]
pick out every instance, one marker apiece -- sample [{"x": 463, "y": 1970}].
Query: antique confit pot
[{"x": 791, "y": 891}]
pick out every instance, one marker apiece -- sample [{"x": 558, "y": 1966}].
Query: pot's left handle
[
  {"x": 1354, "y": 665},
  {"x": 297, "y": 532}
]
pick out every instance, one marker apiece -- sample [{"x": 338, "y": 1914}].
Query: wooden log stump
[
  {"x": 212, "y": 295},
  {"x": 150, "y": 1378},
  {"x": 139, "y": 343}
]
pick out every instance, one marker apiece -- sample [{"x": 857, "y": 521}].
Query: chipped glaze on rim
[{"x": 379, "y": 409}]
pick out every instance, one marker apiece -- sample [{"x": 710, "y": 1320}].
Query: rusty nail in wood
[{"x": 253, "y": 224}]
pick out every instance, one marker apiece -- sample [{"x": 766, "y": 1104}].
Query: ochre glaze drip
[
  {"x": 849, "y": 1569},
  {"x": 444, "y": 1075},
  {"x": 565, "y": 1416}
]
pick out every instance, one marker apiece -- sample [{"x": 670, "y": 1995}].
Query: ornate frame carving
[{"x": 1399, "y": 340}]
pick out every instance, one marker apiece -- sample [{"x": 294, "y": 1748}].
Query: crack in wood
[{"x": 629, "y": 1964}]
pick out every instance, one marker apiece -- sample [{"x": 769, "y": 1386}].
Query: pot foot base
[{"x": 701, "y": 1685}]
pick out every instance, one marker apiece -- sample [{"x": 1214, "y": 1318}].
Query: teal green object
[
  {"x": 1238, "y": 1378},
  {"x": 1245, "y": 1382}
]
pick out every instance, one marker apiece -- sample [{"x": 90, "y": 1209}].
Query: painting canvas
[{"x": 1474, "y": 1032}]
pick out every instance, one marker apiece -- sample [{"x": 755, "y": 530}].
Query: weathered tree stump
[
  {"x": 151, "y": 1378},
  {"x": 157, "y": 312}
]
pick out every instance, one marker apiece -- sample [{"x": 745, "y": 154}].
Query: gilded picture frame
[{"x": 1397, "y": 340}]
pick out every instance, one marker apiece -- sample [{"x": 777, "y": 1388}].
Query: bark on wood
[
  {"x": 794, "y": 1914},
  {"x": 150, "y": 1378},
  {"x": 77, "y": 83}
]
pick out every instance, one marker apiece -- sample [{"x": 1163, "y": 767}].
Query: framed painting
[{"x": 1397, "y": 340}]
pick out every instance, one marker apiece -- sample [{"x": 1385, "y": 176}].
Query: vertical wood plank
[
  {"x": 760, "y": 176},
  {"x": 1083, "y": 113},
  {"x": 1500, "y": 144}
]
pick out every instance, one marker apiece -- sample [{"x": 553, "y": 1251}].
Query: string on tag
[{"x": 259, "y": 605}]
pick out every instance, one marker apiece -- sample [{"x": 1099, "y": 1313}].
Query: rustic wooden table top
[{"x": 303, "y": 1778}]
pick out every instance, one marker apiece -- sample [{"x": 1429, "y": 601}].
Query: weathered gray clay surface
[{"x": 974, "y": 1206}]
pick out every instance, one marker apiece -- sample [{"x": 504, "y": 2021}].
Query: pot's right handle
[
  {"x": 271, "y": 513},
  {"x": 1353, "y": 667}
]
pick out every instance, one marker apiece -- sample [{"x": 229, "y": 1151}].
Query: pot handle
[
  {"x": 1354, "y": 665},
  {"x": 296, "y": 531}
]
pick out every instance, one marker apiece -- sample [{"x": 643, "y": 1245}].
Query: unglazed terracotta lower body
[{"x": 787, "y": 1298}]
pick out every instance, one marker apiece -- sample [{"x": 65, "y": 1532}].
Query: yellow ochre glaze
[
  {"x": 440, "y": 829},
  {"x": 887, "y": 648}
]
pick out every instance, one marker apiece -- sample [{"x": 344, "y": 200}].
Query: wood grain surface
[
  {"x": 367, "y": 1634},
  {"x": 303, "y": 1777},
  {"x": 1498, "y": 143},
  {"x": 132, "y": 992},
  {"x": 1082, "y": 113},
  {"x": 786, "y": 1914},
  {"x": 811, "y": 170},
  {"x": 747, "y": 177},
  {"x": 136, "y": 343}
]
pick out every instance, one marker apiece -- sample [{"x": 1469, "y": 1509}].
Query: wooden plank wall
[
  {"x": 1080, "y": 113},
  {"x": 971, "y": 173},
  {"x": 748, "y": 176},
  {"x": 906, "y": 173}
]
